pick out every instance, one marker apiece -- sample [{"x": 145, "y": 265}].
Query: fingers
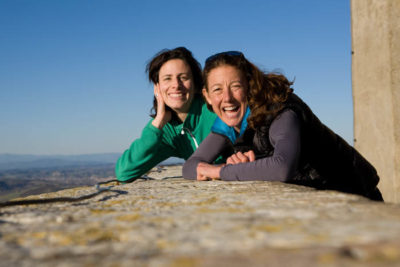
[
  {"x": 202, "y": 178},
  {"x": 207, "y": 171},
  {"x": 230, "y": 160},
  {"x": 234, "y": 159},
  {"x": 158, "y": 96},
  {"x": 242, "y": 157},
  {"x": 250, "y": 155},
  {"x": 200, "y": 172},
  {"x": 199, "y": 169},
  {"x": 162, "y": 115},
  {"x": 239, "y": 157}
]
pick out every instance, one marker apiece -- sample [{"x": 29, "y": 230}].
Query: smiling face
[
  {"x": 227, "y": 89},
  {"x": 176, "y": 85}
]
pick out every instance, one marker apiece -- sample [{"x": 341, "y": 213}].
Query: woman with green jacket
[{"x": 181, "y": 120}]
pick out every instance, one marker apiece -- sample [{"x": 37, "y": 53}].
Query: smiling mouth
[
  {"x": 176, "y": 95},
  {"x": 231, "y": 110}
]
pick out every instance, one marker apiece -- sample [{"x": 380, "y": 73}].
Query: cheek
[
  {"x": 188, "y": 85},
  {"x": 163, "y": 87},
  {"x": 241, "y": 97},
  {"x": 215, "y": 109},
  {"x": 215, "y": 102}
]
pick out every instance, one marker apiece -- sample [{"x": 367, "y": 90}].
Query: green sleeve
[{"x": 143, "y": 154}]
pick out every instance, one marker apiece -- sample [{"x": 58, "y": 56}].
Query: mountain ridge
[{"x": 10, "y": 161}]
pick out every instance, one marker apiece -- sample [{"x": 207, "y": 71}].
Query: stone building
[{"x": 376, "y": 88}]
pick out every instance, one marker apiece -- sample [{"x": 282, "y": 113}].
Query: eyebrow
[
  {"x": 236, "y": 81},
  {"x": 214, "y": 84},
  {"x": 179, "y": 74}
]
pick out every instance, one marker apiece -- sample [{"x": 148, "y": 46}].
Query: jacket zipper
[{"x": 191, "y": 135}]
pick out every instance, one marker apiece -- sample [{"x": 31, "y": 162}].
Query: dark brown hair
[
  {"x": 154, "y": 65},
  {"x": 267, "y": 92}
]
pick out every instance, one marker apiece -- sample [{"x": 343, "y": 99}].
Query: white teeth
[
  {"x": 176, "y": 95},
  {"x": 229, "y": 108}
]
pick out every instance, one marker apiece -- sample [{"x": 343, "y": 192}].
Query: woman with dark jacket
[{"x": 268, "y": 133}]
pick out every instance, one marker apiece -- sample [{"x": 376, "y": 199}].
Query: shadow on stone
[{"x": 118, "y": 193}]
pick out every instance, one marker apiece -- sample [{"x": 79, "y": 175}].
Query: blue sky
[{"x": 72, "y": 77}]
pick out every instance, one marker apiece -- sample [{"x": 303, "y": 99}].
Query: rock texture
[{"x": 176, "y": 222}]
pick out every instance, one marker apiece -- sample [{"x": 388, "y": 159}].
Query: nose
[
  {"x": 226, "y": 95},
  {"x": 176, "y": 82}
]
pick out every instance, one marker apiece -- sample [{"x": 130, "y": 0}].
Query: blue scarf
[{"x": 221, "y": 127}]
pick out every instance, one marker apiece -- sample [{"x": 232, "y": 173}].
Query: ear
[
  {"x": 156, "y": 88},
  {"x": 205, "y": 94}
]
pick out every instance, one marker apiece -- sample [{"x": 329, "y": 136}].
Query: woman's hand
[
  {"x": 207, "y": 171},
  {"x": 163, "y": 116},
  {"x": 240, "y": 157}
]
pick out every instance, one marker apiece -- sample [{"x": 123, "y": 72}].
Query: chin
[
  {"x": 177, "y": 104},
  {"x": 231, "y": 123}
]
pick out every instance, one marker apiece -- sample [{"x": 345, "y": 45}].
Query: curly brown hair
[{"x": 267, "y": 91}]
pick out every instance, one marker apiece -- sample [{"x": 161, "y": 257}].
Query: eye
[
  {"x": 216, "y": 90},
  {"x": 184, "y": 78},
  {"x": 236, "y": 86}
]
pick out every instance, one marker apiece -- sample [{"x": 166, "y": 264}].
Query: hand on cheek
[{"x": 163, "y": 116}]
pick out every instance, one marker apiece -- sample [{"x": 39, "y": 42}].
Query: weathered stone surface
[
  {"x": 177, "y": 222},
  {"x": 376, "y": 88}
]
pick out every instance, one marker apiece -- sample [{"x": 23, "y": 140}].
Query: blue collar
[{"x": 221, "y": 127}]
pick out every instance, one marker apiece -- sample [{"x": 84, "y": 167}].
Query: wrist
[
  {"x": 216, "y": 172},
  {"x": 220, "y": 167},
  {"x": 158, "y": 123}
]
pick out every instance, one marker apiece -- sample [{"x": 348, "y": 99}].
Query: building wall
[{"x": 376, "y": 88}]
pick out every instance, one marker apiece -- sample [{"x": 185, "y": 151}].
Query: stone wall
[
  {"x": 177, "y": 222},
  {"x": 376, "y": 88}
]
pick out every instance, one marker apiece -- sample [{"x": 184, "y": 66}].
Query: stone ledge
[{"x": 177, "y": 222}]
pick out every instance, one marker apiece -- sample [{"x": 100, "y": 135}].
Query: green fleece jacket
[{"x": 156, "y": 145}]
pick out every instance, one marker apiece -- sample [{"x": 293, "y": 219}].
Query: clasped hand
[
  {"x": 240, "y": 157},
  {"x": 207, "y": 171}
]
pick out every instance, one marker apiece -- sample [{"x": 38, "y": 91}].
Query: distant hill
[
  {"x": 23, "y": 182},
  {"x": 23, "y": 175},
  {"x": 25, "y": 162},
  {"x": 29, "y": 162}
]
